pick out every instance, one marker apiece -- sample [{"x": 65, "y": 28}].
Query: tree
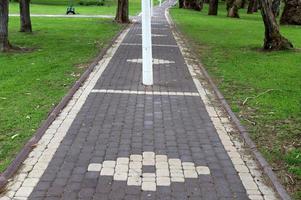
[
  {"x": 233, "y": 7},
  {"x": 213, "y": 7},
  {"x": 243, "y": 4},
  {"x": 4, "y": 43},
  {"x": 193, "y": 4},
  {"x": 291, "y": 12},
  {"x": 181, "y": 3},
  {"x": 273, "y": 39},
  {"x": 276, "y": 7},
  {"x": 25, "y": 16},
  {"x": 251, "y": 6},
  {"x": 255, "y": 6},
  {"x": 122, "y": 13}
]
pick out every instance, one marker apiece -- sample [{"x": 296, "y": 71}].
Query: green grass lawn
[
  {"x": 230, "y": 51},
  {"x": 34, "y": 82},
  {"x": 48, "y": 7},
  {"x": 61, "y": 9}
]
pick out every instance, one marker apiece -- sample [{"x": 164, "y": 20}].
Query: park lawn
[
  {"x": 61, "y": 9},
  {"x": 230, "y": 51},
  {"x": 32, "y": 83},
  {"x": 50, "y": 7}
]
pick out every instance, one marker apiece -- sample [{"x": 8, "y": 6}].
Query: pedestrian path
[{"x": 117, "y": 139}]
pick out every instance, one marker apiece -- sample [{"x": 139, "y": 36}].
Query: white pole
[
  {"x": 160, "y": 2},
  {"x": 147, "y": 58},
  {"x": 152, "y": 7}
]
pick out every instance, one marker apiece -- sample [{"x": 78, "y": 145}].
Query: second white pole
[{"x": 147, "y": 57}]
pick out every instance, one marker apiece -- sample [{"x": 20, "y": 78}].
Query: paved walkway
[{"x": 117, "y": 139}]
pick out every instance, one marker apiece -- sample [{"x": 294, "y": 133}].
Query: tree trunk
[
  {"x": 243, "y": 4},
  {"x": 4, "y": 43},
  {"x": 291, "y": 13},
  {"x": 276, "y": 7},
  {"x": 25, "y": 16},
  {"x": 122, "y": 14},
  {"x": 229, "y": 4},
  {"x": 193, "y": 4},
  {"x": 273, "y": 39},
  {"x": 250, "y": 6},
  {"x": 213, "y": 7},
  {"x": 201, "y": 3},
  {"x": 255, "y": 8},
  {"x": 233, "y": 8},
  {"x": 181, "y": 3}
]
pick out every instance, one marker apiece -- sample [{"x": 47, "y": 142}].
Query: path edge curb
[
  {"x": 14, "y": 166},
  {"x": 233, "y": 118}
]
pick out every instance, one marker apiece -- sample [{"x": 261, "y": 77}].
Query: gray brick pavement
[
  {"x": 110, "y": 126},
  {"x": 141, "y": 146}
]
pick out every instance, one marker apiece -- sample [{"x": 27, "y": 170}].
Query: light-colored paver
[
  {"x": 148, "y": 186},
  {"x": 94, "y": 167},
  {"x": 166, "y": 170}
]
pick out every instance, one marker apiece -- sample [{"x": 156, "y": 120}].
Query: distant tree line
[
  {"x": 122, "y": 16},
  {"x": 270, "y": 10}
]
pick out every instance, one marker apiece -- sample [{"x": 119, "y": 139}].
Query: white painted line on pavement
[
  {"x": 155, "y": 61},
  {"x": 154, "y": 45},
  {"x": 154, "y": 35},
  {"x": 109, "y": 91}
]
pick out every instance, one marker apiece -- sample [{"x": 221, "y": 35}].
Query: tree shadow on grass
[
  {"x": 17, "y": 49},
  {"x": 262, "y": 50}
]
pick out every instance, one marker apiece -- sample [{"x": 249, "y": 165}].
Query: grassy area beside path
[
  {"x": 263, "y": 89},
  {"x": 48, "y": 7},
  {"x": 32, "y": 83}
]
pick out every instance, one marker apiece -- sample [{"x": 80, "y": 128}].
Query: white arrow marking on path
[{"x": 166, "y": 170}]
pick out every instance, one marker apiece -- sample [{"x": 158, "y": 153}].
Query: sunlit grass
[
  {"x": 231, "y": 51},
  {"x": 34, "y": 82}
]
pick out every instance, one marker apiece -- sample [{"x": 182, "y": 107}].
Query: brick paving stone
[
  {"x": 94, "y": 167},
  {"x": 148, "y": 186}
]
